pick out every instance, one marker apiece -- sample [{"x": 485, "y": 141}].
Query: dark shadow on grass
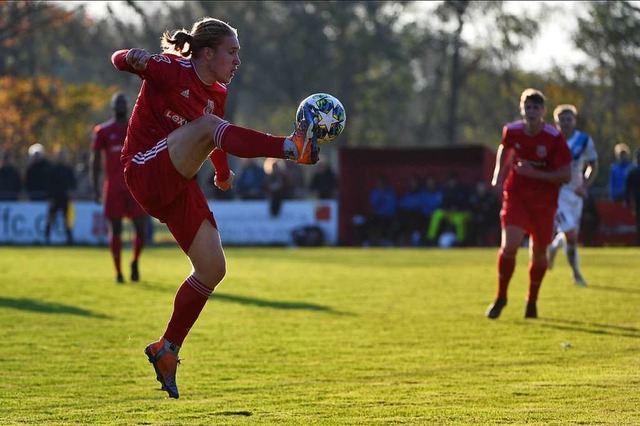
[
  {"x": 252, "y": 301},
  {"x": 235, "y": 413},
  {"x": 47, "y": 307},
  {"x": 590, "y": 327},
  {"x": 614, "y": 289}
]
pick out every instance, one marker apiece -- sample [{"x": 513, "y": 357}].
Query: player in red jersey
[
  {"x": 108, "y": 138},
  {"x": 175, "y": 126},
  {"x": 540, "y": 162}
]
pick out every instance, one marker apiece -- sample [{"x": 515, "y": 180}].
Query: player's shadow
[
  {"x": 591, "y": 327},
  {"x": 32, "y": 305},
  {"x": 275, "y": 304}
]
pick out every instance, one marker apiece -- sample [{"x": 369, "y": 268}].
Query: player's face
[
  {"x": 225, "y": 60},
  {"x": 533, "y": 112},
  {"x": 567, "y": 123}
]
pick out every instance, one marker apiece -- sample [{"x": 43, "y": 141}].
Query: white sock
[{"x": 290, "y": 149}]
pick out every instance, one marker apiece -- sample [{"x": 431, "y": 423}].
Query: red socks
[
  {"x": 115, "y": 244},
  {"x": 247, "y": 143},
  {"x": 536, "y": 273},
  {"x": 506, "y": 266},
  {"x": 187, "y": 305},
  {"x": 138, "y": 244}
]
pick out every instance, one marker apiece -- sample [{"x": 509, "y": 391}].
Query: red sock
[
  {"x": 138, "y": 245},
  {"x": 248, "y": 143},
  {"x": 115, "y": 244},
  {"x": 187, "y": 305},
  {"x": 536, "y": 273},
  {"x": 506, "y": 266}
]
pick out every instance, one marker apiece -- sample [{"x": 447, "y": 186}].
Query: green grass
[{"x": 330, "y": 336}]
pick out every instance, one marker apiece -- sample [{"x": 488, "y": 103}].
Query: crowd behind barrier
[{"x": 426, "y": 212}]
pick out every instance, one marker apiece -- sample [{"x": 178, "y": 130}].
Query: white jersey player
[{"x": 584, "y": 168}]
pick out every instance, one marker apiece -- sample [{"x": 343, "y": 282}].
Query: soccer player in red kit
[
  {"x": 175, "y": 126},
  {"x": 540, "y": 162},
  {"x": 108, "y": 138}
]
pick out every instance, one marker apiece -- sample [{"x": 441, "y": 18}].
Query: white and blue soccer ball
[{"x": 330, "y": 114}]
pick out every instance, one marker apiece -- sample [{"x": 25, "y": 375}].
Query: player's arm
[
  {"x": 132, "y": 60},
  {"x": 224, "y": 176},
  {"x": 560, "y": 175},
  {"x": 590, "y": 173},
  {"x": 504, "y": 159}
]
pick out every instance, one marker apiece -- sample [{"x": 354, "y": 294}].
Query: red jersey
[
  {"x": 546, "y": 151},
  {"x": 171, "y": 95},
  {"x": 109, "y": 137}
]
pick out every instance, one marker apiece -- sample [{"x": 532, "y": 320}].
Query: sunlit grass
[{"x": 330, "y": 336}]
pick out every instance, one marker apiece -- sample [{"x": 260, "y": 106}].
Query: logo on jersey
[
  {"x": 161, "y": 58},
  {"x": 179, "y": 120},
  {"x": 209, "y": 108},
  {"x": 541, "y": 150},
  {"x": 185, "y": 93}
]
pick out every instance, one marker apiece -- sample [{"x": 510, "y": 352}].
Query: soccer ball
[{"x": 329, "y": 112}]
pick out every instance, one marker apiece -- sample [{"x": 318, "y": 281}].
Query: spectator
[
  {"x": 61, "y": 181},
  {"x": 454, "y": 209},
  {"x": 250, "y": 184},
  {"x": 412, "y": 221},
  {"x": 632, "y": 191},
  {"x": 432, "y": 199},
  {"x": 618, "y": 173},
  {"x": 382, "y": 201},
  {"x": 276, "y": 188},
  {"x": 324, "y": 182},
  {"x": 10, "y": 180},
  {"x": 485, "y": 215},
  {"x": 37, "y": 173},
  {"x": 84, "y": 187},
  {"x": 294, "y": 182}
]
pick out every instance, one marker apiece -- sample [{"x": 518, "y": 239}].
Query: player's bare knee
[
  {"x": 213, "y": 273},
  {"x": 207, "y": 125}
]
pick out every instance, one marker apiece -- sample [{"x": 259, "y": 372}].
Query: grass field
[{"x": 329, "y": 336}]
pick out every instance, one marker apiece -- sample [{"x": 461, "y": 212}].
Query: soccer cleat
[
  {"x": 496, "y": 308},
  {"x": 165, "y": 365},
  {"x": 135, "y": 275},
  {"x": 580, "y": 282},
  {"x": 531, "y": 311},
  {"x": 119, "y": 279},
  {"x": 306, "y": 139}
]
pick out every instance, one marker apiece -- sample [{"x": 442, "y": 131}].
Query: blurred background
[{"x": 440, "y": 74}]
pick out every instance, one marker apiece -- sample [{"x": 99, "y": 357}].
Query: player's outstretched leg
[{"x": 165, "y": 364}]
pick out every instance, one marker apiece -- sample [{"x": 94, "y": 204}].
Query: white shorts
[{"x": 569, "y": 211}]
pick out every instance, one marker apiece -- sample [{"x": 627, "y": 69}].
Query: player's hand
[
  {"x": 137, "y": 58},
  {"x": 227, "y": 184},
  {"x": 522, "y": 167},
  {"x": 581, "y": 191}
]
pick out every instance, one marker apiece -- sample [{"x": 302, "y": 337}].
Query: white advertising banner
[
  {"x": 250, "y": 222},
  {"x": 24, "y": 222},
  {"x": 239, "y": 222}
]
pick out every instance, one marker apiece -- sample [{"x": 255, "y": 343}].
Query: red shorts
[
  {"x": 536, "y": 220},
  {"x": 167, "y": 195},
  {"x": 118, "y": 202}
]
